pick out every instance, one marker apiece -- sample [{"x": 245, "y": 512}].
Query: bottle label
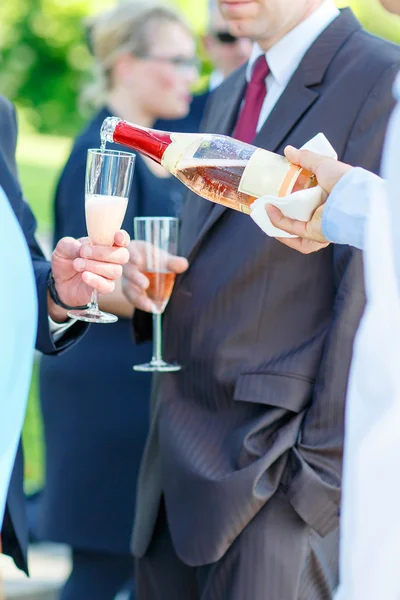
[
  {"x": 245, "y": 209},
  {"x": 182, "y": 144},
  {"x": 264, "y": 174}
]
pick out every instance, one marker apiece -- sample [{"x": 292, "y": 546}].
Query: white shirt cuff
[
  {"x": 57, "y": 330},
  {"x": 347, "y": 207}
]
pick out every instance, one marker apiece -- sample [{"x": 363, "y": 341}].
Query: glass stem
[
  {"x": 157, "y": 338},
  {"x": 94, "y": 302}
]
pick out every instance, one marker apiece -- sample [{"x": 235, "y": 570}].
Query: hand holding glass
[
  {"x": 160, "y": 237},
  {"x": 107, "y": 186}
]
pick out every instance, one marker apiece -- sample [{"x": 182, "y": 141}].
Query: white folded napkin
[{"x": 299, "y": 205}]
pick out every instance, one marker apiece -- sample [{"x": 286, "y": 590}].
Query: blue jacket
[{"x": 14, "y": 531}]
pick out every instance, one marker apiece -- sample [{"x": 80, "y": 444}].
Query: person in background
[
  {"x": 95, "y": 407},
  {"x": 226, "y": 53}
]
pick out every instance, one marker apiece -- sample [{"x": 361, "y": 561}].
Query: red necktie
[{"x": 246, "y": 126}]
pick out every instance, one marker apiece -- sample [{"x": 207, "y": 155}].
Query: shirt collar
[
  {"x": 286, "y": 55},
  {"x": 216, "y": 78}
]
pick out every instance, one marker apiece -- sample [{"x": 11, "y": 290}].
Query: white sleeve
[
  {"x": 347, "y": 208},
  {"x": 390, "y": 171}
]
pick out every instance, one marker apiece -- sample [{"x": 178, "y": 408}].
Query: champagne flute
[
  {"x": 107, "y": 185},
  {"x": 160, "y": 237}
]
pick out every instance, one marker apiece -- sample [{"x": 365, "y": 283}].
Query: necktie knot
[{"x": 260, "y": 70}]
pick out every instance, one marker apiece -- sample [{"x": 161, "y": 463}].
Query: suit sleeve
[
  {"x": 312, "y": 480},
  {"x": 12, "y": 188},
  {"x": 41, "y": 267}
]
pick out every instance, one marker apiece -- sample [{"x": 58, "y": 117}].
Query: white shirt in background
[{"x": 216, "y": 78}]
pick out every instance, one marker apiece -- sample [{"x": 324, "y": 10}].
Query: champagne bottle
[{"x": 216, "y": 167}]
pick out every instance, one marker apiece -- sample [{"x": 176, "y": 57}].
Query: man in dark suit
[
  {"x": 66, "y": 282},
  {"x": 239, "y": 496}
]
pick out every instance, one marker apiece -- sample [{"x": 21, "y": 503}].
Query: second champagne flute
[
  {"x": 159, "y": 236},
  {"x": 108, "y": 182}
]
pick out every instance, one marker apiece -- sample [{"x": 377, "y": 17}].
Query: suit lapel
[
  {"x": 196, "y": 210},
  {"x": 298, "y": 97}
]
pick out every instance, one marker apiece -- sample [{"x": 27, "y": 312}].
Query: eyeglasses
[
  {"x": 179, "y": 62},
  {"x": 224, "y": 37}
]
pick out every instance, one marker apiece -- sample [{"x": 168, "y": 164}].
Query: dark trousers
[
  {"x": 98, "y": 576},
  {"x": 276, "y": 557}
]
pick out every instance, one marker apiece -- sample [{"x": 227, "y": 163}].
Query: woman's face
[{"x": 164, "y": 76}]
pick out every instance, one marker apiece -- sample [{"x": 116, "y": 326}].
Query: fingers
[
  {"x": 146, "y": 257},
  {"x": 150, "y": 258},
  {"x": 134, "y": 286},
  {"x": 108, "y": 270},
  {"x": 137, "y": 254},
  {"x": 309, "y": 235},
  {"x": 304, "y": 158},
  {"x": 105, "y": 254},
  {"x": 177, "y": 264},
  {"x": 303, "y": 246},
  {"x": 68, "y": 247},
  {"x": 122, "y": 238},
  {"x": 136, "y": 294},
  {"x": 327, "y": 170},
  {"x": 103, "y": 286},
  {"x": 297, "y": 228},
  {"x": 324, "y": 168},
  {"x": 135, "y": 276}
]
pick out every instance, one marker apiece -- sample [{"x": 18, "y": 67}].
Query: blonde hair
[{"x": 126, "y": 28}]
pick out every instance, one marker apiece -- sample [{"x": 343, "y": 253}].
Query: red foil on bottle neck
[{"x": 150, "y": 142}]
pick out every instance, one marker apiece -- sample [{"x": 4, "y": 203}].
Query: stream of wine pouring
[{"x": 93, "y": 182}]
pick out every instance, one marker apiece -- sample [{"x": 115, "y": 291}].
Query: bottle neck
[{"x": 149, "y": 142}]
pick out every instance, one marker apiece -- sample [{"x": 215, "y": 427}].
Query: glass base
[
  {"x": 157, "y": 365},
  {"x": 92, "y": 316}
]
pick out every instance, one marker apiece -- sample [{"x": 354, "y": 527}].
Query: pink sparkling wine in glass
[{"x": 104, "y": 217}]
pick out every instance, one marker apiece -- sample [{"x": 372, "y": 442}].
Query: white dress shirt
[
  {"x": 57, "y": 330},
  {"x": 348, "y": 206},
  {"x": 363, "y": 210},
  {"x": 18, "y": 322},
  {"x": 286, "y": 55},
  {"x": 370, "y": 530},
  {"x": 216, "y": 78}
]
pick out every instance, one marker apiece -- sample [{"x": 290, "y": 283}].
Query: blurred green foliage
[
  {"x": 45, "y": 60},
  {"x": 375, "y": 18},
  {"x": 32, "y": 438}
]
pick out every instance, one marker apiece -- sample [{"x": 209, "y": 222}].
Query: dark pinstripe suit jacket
[{"x": 264, "y": 334}]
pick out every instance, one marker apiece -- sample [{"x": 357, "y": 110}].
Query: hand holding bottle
[
  {"x": 135, "y": 283},
  {"x": 328, "y": 172}
]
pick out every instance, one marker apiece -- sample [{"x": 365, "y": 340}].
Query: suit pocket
[{"x": 284, "y": 390}]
